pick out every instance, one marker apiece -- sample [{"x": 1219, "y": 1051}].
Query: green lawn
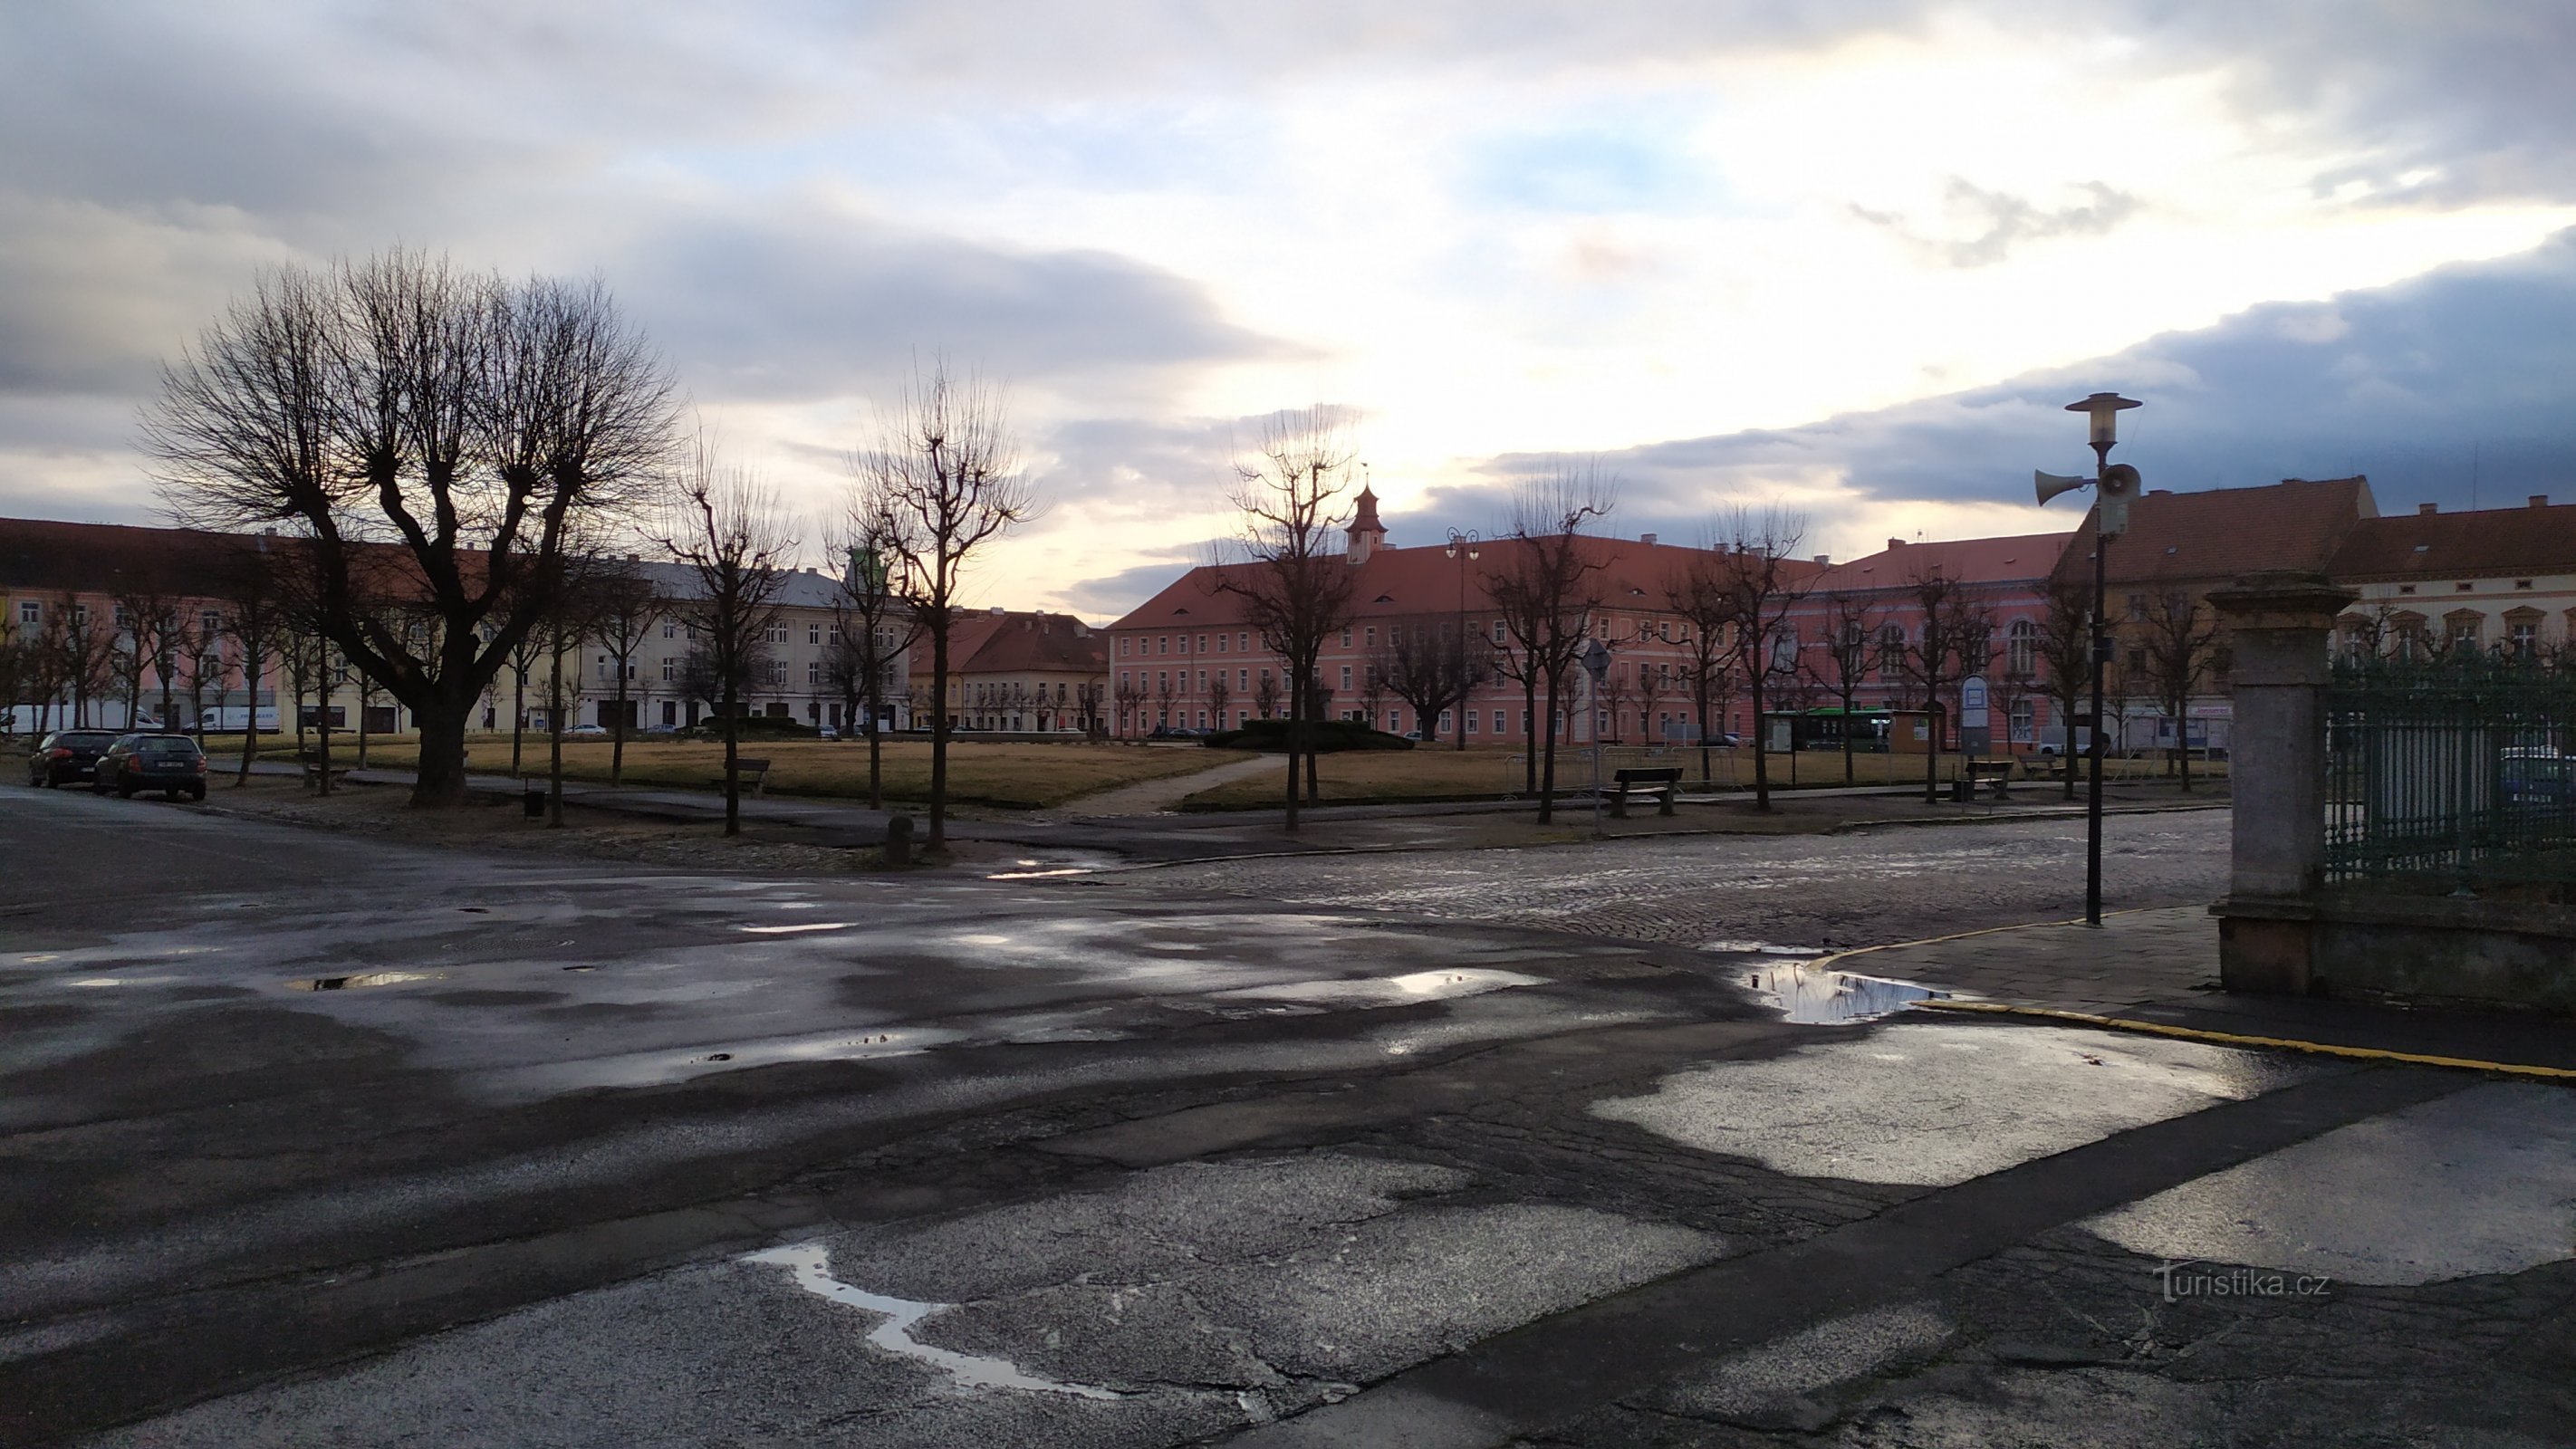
[{"x": 1005, "y": 776}]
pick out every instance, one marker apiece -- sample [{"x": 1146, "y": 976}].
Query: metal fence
[{"x": 2450, "y": 772}]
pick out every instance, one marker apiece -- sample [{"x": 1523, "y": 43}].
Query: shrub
[{"x": 1325, "y": 737}]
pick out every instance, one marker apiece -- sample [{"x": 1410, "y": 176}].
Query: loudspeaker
[
  {"x": 2052, "y": 484},
  {"x": 2120, "y": 481}
]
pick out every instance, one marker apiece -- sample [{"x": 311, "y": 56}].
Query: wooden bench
[
  {"x": 1661, "y": 783},
  {"x": 1993, "y": 776},
  {"x": 754, "y": 773}
]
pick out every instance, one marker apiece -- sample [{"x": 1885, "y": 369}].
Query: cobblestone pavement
[{"x": 1817, "y": 892}]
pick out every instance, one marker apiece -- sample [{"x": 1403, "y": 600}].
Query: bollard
[
  {"x": 532, "y": 803},
  {"x": 898, "y": 846}
]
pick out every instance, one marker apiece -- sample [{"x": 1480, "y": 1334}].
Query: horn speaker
[{"x": 2052, "y": 484}]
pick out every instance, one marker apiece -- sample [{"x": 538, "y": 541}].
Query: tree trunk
[
  {"x": 1529, "y": 746},
  {"x": 441, "y": 719},
  {"x": 876, "y": 777},
  {"x": 1296, "y": 738},
  {"x": 733, "y": 751},
  {"x": 1761, "y": 750},
  {"x": 1547, "y": 771},
  {"x": 518, "y": 716},
  {"x": 250, "y": 717},
  {"x": 938, "y": 838},
  {"x": 617, "y": 727},
  {"x": 1931, "y": 752},
  {"x": 554, "y": 738}
]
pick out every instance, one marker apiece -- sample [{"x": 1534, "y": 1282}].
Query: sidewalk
[{"x": 2157, "y": 971}]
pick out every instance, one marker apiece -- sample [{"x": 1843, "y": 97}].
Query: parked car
[
  {"x": 587, "y": 732},
  {"x": 171, "y": 764},
  {"x": 67, "y": 755}
]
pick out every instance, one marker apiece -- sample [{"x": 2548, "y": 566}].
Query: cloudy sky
[{"x": 1847, "y": 257}]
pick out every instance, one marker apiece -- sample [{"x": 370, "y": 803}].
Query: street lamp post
[
  {"x": 1595, "y": 658},
  {"x": 2113, "y": 487},
  {"x": 1465, "y": 548}
]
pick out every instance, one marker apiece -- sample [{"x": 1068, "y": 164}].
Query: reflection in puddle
[
  {"x": 797, "y": 930},
  {"x": 1388, "y": 990},
  {"x": 1810, "y": 995},
  {"x": 371, "y": 978},
  {"x": 1037, "y": 874},
  {"x": 1757, "y": 948},
  {"x": 810, "y": 1265}
]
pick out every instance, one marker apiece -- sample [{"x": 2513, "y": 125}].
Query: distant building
[
  {"x": 2496, "y": 579},
  {"x": 1021, "y": 672}
]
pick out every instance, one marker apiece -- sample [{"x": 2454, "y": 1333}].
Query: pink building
[{"x": 1188, "y": 658}]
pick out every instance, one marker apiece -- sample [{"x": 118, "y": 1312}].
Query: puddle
[
  {"x": 1757, "y": 948},
  {"x": 809, "y": 1265},
  {"x": 1388, "y": 990},
  {"x": 651, "y": 1068},
  {"x": 371, "y": 978},
  {"x": 1037, "y": 874},
  {"x": 1817, "y": 997},
  {"x": 805, "y": 928}
]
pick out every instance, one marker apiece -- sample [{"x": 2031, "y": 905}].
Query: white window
[
  {"x": 1498, "y": 721},
  {"x": 1500, "y": 633},
  {"x": 833, "y": 634},
  {"x": 1346, "y": 669},
  {"x": 813, "y": 633},
  {"x": 1243, "y": 640},
  {"x": 1243, "y": 679},
  {"x": 2021, "y": 650},
  {"x": 778, "y": 671},
  {"x": 2023, "y": 717},
  {"x": 1346, "y": 636},
  {"x": 1471, "y": 721},
  {"x": 1444, "y": 721},
  {"x": 30, "y": 613},
  {"x": 670, "y": 628},
  {"x": 813, "y": 671},
  {"x": 670, "y": 667}
]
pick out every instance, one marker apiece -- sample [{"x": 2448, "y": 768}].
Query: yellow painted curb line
[{"x": 2229, "y": 1038}]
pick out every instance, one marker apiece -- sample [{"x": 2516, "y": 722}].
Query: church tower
[{"x": 1367, "y": 534}]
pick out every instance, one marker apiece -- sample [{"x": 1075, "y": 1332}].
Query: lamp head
[{"x": 2105, "y": 409}]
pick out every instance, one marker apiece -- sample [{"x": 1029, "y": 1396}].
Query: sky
[{"x": 1848, "y": 259}]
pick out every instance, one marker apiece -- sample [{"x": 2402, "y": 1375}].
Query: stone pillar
[{"x": 2280, "y": 627}]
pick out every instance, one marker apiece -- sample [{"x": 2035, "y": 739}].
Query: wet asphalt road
[
  {"x": 568, "y": 1155},
  {"x": 1819, "y": 892}
]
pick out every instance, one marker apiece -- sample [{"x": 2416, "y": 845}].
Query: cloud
[
  {"x": 802, "y": 305},
  {"x": 2453, "y": 387},
  {"x": 1981, "y": 227}
]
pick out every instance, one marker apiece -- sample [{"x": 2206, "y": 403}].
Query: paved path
[{"x": 1147, "y": 797}]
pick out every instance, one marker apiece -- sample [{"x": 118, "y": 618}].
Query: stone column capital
[{"x": 2281, "y": 599}]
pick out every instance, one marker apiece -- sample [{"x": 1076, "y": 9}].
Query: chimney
[
  {"x": 1896, "y": 543},
  {"x": 2428, "y": 508},
  {"x": 1645, "y": 538},
  {"x": 2540, "y": 500},
  {"x": 997, "y": 611}
]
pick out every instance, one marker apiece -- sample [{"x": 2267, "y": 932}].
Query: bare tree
[
  {"x": 1698, "y": 593},
  {"x": 2180, "y": 636},
  {"x": 1840, "y": 663},
  {"x": 732, "y": 535},
  {"x": 1219, "y": 694},
  {"x": 1654, "y": 682},
  {"x": 2065, "y": 659},
  {"x": 1955, "y": 641},
  {"x": 1547, "y": 594},
  {"x": 1431, "y": 667},
  {"x": 872, "y": 629},
  {"x": 1130, "y": 696},
  {"x": 430, "y": 434},
  {"x": 625, "y": 610},
  {"x": 1266, "y": 695},
  {"x": 522, "y": 663},
  {"x": 946, "y": 473},
  {"x": 1296, "y": 585},
  {"x": 1088, "y": 696},
  {"x": 1756, "y": 572}
]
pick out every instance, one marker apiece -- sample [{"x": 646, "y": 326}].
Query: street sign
[{"x": 1972, "y": 695}]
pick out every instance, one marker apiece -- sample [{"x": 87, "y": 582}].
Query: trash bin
[
  {"x": 1962, "y": 791},
  {"x": 532, "y": 802}
]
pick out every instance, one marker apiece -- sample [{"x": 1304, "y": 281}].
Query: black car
[
  {"x": 171, "y": 764},
  {"x": 67, "y": 755}
]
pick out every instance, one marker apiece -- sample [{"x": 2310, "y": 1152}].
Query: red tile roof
[
  {"x": 2493, "y": 542},
  {"x": 1426, "y": 580},
  {"x": 2223, "y": 532},
  {"x": 2018, "y": 558},
  {"x": 41, "y": 555},
  {"x": 1034, "y": 643}
]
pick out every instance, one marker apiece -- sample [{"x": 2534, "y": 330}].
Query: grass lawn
[
  {"x": 1447, "y": 774},
  {"x": 1005, "y": 776}
]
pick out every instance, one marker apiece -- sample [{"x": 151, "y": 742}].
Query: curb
[{"x": 2229, "y": 1038}]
